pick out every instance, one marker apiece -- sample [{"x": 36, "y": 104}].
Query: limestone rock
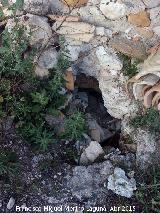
[
  {"x": 88, "y": 65},
  {"x": 91, "y": 14},
  {"x": 91, "y": 153},
  {"x": 155, "y": 20},
  {"x": 74, "y": 51},
  {"x": 156, "y": 30},
  {"x": 69, "y": 79},
  {"x": 117, "y": 158},
  {"x": 151, "y": 3},
  {"x": 108, "y": 59},
  {"x": 71, "y": 43},
  {"x": 74, "y": 3},
  {"x": 113, "y": 10},
  {"x": 145, "y": 33},
  {"x": 103, "y": 64},
  {"x": 63, "y": 18},
  {"x": 88, "y": 181},
  {"x": 140, "y": 19},
  {"x": 38, "y": 7},
  {"x": 134, "y": 6},
  {"x": 154, "y": 15},
  {"x": 48, "y": 58},
  {"x": 112, "y": 83},
  {"x": 120, "y": 184},
  {"x": 58, "y": 7},
  {"x": 146, "y": 147},
  {"x": 83, "y": 37},
  {"x": 129, "y": 47},
  {"x": 41, "y": 31},
  {"x": 41, "y": 72},
  {"x": 100, "y": 31},
  {"x": 73, "y": 28},
  {"x": 115, "y": 97},
  {"x": 11, "y": 203}
]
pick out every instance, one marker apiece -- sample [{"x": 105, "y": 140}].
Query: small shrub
[
  {"x": 74, "y": 126},
  {"x": 148, "y": 193},
  {"x": 44, "y": 139},
  {"x": 17, "y": 5},
  {"x": 150, "y": 120},
  {"x": 129, "y": 68},
  {"x": 40, "y": 98},
  {"x": 13, "y": 64},
  {"x": 16, "y": 68},
  {"x": 29, "y": 107},
  {"x": 63, "y": 62}
]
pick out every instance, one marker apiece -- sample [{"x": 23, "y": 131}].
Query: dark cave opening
[{"x": 98, "y": 111}]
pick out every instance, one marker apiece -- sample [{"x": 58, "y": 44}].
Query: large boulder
[
  {"x": 91, "y": 153},
  {"x": 38, "y": 7},
  {"x": 115, "y": 97},
  {"x": 135, "y": 49},
  {"x": 37, "y": 26},
  {"x": 120, "y": 184},
  {"x": 108, "y": 59},
  {"x": 49, "y": 58},
  {"x": 140, "y": 19},
  {"x": 113, "y": 10},
  {"x": 103, "y": 64},
  {"x": 91, "y": 14},
  {"x": 58, "y": 7},
  {"x": 146, "y": 148},
  {"x": 89, "y": 181},
  {"x": 40, "y": 28}
]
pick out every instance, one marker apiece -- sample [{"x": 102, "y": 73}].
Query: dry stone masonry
[{"x": 95, "y": 32}]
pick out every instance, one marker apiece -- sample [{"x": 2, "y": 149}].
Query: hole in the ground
[{"x": 97, "y": 110}]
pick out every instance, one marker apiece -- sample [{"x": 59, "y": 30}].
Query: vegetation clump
[
  {"x": 150, "y": 120},
  {"x": 74, "y": 126},
  {"x": 27, "y": 97},
  {"x": 130, "y": 68},
  {"x": 148, "y": 193}
]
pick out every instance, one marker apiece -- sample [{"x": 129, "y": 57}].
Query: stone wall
[
  {"x": 102, "y": 29},
  {"x": 95, "y": 31}
]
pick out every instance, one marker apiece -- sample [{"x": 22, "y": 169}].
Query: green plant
[
  {"x": 148, "y": 193},
  {"x": 39, "y": 136},
  {"x": 40, "y": 98},
  {"x": 150, "y": 120},
  {"x": 29, "y": 106},
  {"x": 63, "y": 62},
  {"x": 44, "y": 139},
  {"x": 129, "y": 67},
  {"x": 74, "y": 126},
  {"x": 14, "y": 7},
  {"x": 8, "y": 163},
  {"x": 13, "y": 64}
]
